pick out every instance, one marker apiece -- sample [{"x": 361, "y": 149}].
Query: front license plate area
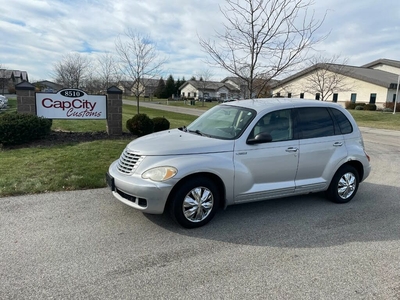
[{"x": 110, "y": 182}]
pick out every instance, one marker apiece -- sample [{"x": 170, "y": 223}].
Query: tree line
[
  {"x": 75, "y": 70},
  {"x": 261, "y": 40},
  {"x": 168, "y": 88}
]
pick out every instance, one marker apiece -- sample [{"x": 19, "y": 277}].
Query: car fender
[{"x": 219, "y": 164}]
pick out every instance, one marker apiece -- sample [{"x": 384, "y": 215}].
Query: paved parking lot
[{"x": 87, "y": 245}]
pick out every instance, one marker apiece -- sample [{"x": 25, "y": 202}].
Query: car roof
[{"x": 261, "y": 104}]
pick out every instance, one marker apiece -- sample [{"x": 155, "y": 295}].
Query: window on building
[
  {"x": 289, "y": 95},
  {"x": 194, "y": 95},
  {"x": 302, "y": 95},
  {"x": 278, "y": 94},
  {"x": 394, "y": 97},
  {"x": 335, "y": 97},
  {"x": 317, "y": 96},
  {"x": 372, "y": 98},
  {"x": 353, "y": 97},
  {"x": 189, "y": 94},
  {"x": 183, "y": 94}
]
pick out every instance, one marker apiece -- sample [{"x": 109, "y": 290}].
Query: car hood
[{"x": 177, "y": 142}]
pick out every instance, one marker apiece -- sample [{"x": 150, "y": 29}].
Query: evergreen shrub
[
  {"x": 140, "y": 125},
  {"x": 16, "y": 129},
  {"x": 160, "y": 124}
]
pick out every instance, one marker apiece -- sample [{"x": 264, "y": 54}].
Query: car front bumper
[{"x": 144, "y": 195}]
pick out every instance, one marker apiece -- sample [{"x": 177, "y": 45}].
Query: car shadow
[{"x": 303, "y": 221}]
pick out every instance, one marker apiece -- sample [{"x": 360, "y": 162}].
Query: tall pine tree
[
  {"x": 160, "y": 90},
  {"x": 178, "y": 84},
  {"x": 170, "y": 86}
]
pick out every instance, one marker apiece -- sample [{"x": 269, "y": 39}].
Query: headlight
[{"x": 160, "y": 173}]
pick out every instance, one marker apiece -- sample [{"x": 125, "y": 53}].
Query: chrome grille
[{"x": 128, "y": 162}]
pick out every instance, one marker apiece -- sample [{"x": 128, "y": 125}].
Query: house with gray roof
[
  {"x": 9, "y": 78},
  {"x": 261, "y": 86},
  {"x": 375, "y": 82},
  {"x": 201, "y": 89},
  {"x": 239, "y": 84},
  {"x": 47, "y": 86},
  {"x": 145, "y": 87}
]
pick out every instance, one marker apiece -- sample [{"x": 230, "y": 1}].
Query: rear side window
[
  {"x": 314, "y": 122},
  {"x": 344, "y": 123}
]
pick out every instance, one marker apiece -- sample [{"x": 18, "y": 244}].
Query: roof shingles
[{"x": 374, "y": 76}]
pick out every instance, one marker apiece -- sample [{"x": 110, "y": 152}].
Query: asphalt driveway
[{"x": 87, "y": 245}]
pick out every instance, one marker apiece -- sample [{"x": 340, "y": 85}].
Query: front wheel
[
  {"x": 194, "y": 204},
  {"x": 344, "y": 185}
]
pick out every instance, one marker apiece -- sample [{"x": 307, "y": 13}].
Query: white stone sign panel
[{"x": 71, "y": 104}]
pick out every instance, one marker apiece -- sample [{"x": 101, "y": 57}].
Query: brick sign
[{"x": 71, "y": 104}]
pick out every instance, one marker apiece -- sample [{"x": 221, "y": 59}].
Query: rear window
[
  {"x": 314, "y": 122},
  {"x": 344, "y": 123}
]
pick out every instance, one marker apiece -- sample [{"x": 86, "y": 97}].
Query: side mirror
[{"x": 263, "y": 137}]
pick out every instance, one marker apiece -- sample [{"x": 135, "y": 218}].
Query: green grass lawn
[
  {"x": 57, "y": 168},
  {"x": 377, "y": 119},
  {"x": 128, "y": 111},
  {"x": 83, "y": 165},
  {"x": 73, "y": 166},
  {"x": 181, "y": 103}
]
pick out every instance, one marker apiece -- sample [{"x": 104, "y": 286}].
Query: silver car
[
  {"x": 242, "y": 151},
  {"x": 3, "y": 101}
]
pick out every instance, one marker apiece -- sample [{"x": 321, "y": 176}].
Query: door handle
[
  {"x": 338, "y": 144},
  {"x": 292, "y": 149}
]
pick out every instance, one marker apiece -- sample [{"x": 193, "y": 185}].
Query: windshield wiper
[{"x": 198, "y": 132}]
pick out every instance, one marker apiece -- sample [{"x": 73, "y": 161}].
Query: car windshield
[{"x": 222, "y": 122}]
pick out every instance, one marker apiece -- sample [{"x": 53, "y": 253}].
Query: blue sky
[{"x": 35, "y": 34}]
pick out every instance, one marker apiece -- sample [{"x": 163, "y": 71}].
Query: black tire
[
  {"x": 344, "y": 185},
  {"x": 185, "y": 208}
]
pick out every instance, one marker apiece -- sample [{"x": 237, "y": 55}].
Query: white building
[
  {"x": 209, "y": 90},
  {"x": 145, "y": 87},
  {"x": 375, "y": 82}
]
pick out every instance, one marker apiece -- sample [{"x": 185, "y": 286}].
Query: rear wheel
[
  {"x": 194, "y": 204},
  {"x": 344, "y": 185}
]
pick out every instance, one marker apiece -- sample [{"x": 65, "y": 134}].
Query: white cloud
[
  {"x": 362, "y": 32},
  {"x": 37, "y": 33}
]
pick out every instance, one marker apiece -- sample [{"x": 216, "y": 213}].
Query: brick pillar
[
  {"x": 26, "y": 99},
  {"x": 114, "y": 111}
]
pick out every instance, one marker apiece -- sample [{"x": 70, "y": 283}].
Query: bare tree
[
  {"x": 107, "y": 71},
  {"x": 139, "y": 60},
  {"x": 205, "y": 76},
  {"x": 327, "y": 77},
  {"x": 71, "y": 70},
  {"x": 263, "y": 38},
  {"x": 92, "y": 84}
]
